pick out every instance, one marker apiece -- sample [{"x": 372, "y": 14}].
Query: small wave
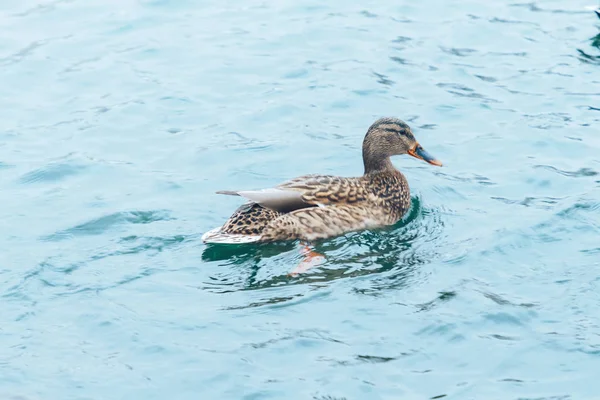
[
  {"x": 580, "y": 173},
  {"x": 105, "y": 223},
  {"x": 545, "y": 203},
  {"x": 52, "y": 173},
  {"x": 458, "y": 52}
]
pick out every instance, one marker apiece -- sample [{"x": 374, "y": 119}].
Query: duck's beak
[{"x": 420, "y": 153}]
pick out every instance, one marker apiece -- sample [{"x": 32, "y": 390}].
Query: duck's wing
[
  {"x": 324, "y": 222},
  {"x": 306, "y": 191},
  {"x": 322, "y": 190}
]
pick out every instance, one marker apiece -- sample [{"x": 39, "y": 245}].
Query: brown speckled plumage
[
  {"x": 322, "y": 206},
  {"x": 249, "y": 219}
]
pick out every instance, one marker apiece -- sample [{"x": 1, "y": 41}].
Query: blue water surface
[{"x": 119, "y": 119}]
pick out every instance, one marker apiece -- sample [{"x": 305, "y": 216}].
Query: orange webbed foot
[{"x": 311, "y": 260}]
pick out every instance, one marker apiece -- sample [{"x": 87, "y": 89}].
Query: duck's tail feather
[
  {"x": 228, "y": 192},
  {"x": 218, "y": 237},
  {"x": 282, "y": 200}
]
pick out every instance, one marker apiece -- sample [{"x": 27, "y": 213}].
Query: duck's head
[{"x": 391, "y": 137}]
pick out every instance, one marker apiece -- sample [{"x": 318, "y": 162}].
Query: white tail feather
[{"x": 216, "y": 236}]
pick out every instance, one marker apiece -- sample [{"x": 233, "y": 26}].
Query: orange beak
[{"x": 420, "y": 153}]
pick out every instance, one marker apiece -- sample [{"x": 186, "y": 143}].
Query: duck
[{"x": 315, "y": 206}]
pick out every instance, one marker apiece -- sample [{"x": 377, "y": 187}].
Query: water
[{"x": 120, "y": 119}]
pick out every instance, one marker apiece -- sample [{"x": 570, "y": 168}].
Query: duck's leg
[{"x": 311, "y": 260}]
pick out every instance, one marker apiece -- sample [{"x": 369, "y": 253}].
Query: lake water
[{"x": 121, "y": 118}]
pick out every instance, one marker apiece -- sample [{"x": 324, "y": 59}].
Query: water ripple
[
  {"x": 544, "y": 203},
  {"x": 458, "y": 52},
  {"x": 52, "y": 173},
  {"x": 580, "y": 173},
  {"x": 106, "y": 223}
]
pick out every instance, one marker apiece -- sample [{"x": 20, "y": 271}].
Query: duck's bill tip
[{"x": 420, "y": 153}]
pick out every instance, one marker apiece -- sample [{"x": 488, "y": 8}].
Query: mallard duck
[{"x": 313, "y": 207}]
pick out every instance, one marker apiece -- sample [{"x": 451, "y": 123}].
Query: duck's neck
[{"x": 377, "y": 164}]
